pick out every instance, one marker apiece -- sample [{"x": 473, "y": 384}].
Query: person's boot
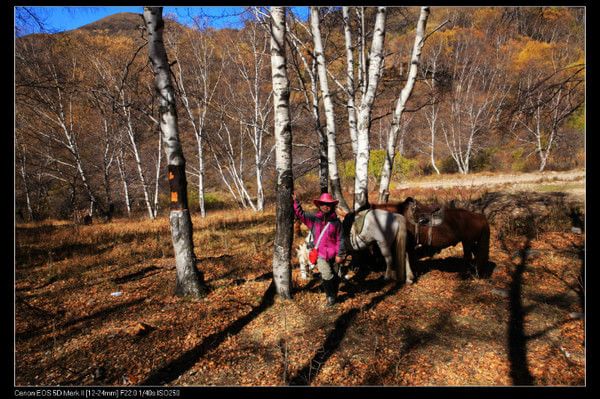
[{"x": 331, "y": 288}]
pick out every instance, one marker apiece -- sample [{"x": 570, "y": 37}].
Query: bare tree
[
  {"x": 124, "y": 179},
  {"x": 334, "y": 179},
  {"x": 547, "y": 100},
  {"x": 431, "y": 69},
  {"x": 190, "y": 280},
  {"x": 312, "y": 100},
  {"x": 386, "y": 172},
  {"x": 479, "y": 90},
  {"x": 54, "y": 105},
  {"x": 21, "y": 159},
  {"x": 282, "y": 273},
  {"x": 261, "y": 109},
  {"x": 120, "y": 90},
  {"x": 204, "y": 81},
  {"x": 250, "y": 114}
]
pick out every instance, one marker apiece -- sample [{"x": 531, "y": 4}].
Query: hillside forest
[{"x": 497, "y": 89}]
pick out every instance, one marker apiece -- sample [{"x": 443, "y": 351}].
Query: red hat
[{"x": 325, "y": 199}]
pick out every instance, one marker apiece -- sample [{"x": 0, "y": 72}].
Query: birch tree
[
  {"x": 334, "y": 179},
  {"x": 550, "y": 78},
  {"x": 204, "y": 81},
  {"x": 120, "y": 89},
  {"x": 282, "y": 273},
  {"x": 124, "y": 179},
  {"x": 54, "y": 107},
  {"x": 190, "y": 280},
  {"x": 361, "y": 182},
  {"x": 386, "y": 172},
  {"x": 21, "y": 162},
  {"x": 479, "y": 90},
  {"x": 255, "y": 126},
  {"x": 431, "y": 69},
  {"x": 350, "y": 84},
  {"x": 244, "y": 118},
  {"x": 311, "y": 99}
]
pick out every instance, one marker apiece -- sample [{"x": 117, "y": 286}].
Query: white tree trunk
[
  {"x": 283, "y": 157},
  {"x": 159, "y": 155},
  {"x": 362, "y": 62},
  {"x": 386, "y": 173},
  {"x": 125, "y": 187},
  {"x": 189, "y": 279},
  {"x": 201, "y": 171},
  {"x": 334, "y": 179},
  {"x": 432, "y": 113},
  {"x": 24, "y": 177},
  {"x": 350, "y": 86},
  {"x": 137, "y": 157},
  {"x": 361, "y": 184},
  {"x": 312, "y": 103}
]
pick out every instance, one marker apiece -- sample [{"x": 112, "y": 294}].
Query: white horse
[{"x": 362, "y": 228}]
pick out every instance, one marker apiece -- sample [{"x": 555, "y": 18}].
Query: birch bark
[
  {"x": 190, "y": 280},
  {"x": 334, "y": 179},
  {"x": 388, "y": 163},
  {"x": 350, "y": 85},
  {"x": 283, "y": 157},
  {"x": 361, "y": 189}
]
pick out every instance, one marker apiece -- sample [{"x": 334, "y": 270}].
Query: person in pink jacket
[{"x": 330, "y": 248}]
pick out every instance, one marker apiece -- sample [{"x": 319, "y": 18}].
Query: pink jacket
[{"x": 331, "y": 243}]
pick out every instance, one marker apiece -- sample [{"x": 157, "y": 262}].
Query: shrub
[
  {"x": 212, "y": 200},
  {"x": 520, "y": 163},
  {"x": 448, "y": 165},
  {"x": 484, "y": 160},
  {"x": 403, "y": 166}
]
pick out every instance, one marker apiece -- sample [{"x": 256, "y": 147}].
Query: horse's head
[
  {"x": 408, "y": 208},
  {"x": 347, "y": 221}
]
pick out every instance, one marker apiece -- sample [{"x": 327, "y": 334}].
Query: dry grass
[{"x": 446, "y": 329}]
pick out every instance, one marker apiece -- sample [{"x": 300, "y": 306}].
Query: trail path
[{"x": 572, "y": 181}]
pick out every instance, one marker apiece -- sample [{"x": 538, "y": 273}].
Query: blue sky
[{"x": 61, "y": 18}]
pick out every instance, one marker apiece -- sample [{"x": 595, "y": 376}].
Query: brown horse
[{"x": 432, "y": 229}]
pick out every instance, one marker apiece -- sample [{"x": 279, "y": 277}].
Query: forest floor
[{"x": 95, "y": 305}]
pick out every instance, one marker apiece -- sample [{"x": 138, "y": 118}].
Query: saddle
[
  {"x": 427, "y": 216},
  {"x": 359, "y": 221},
  {"x": 430, "y": 216}
]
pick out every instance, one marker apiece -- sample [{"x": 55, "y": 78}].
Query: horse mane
[{"x": 395, "y": 207}]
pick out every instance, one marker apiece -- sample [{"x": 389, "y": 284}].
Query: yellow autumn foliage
[{"x": 533, "y": 54}]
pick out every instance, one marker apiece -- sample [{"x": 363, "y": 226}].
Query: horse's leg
[
  {"x": 408, "y": 271},
  {"x": 390, "y": 272},
  {"x": 482, "y": 253},
  {"x": 402, "y": 263},
  {"x": 468, "y": 248}
]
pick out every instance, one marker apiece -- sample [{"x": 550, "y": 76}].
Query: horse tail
[{"x": 400, "y": 249}]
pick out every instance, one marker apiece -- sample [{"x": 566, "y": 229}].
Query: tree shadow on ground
[
  {"x": 63, "y": 336},
  {"x": 184, "y": 362},
  {"x": 517, "y": 340},
  {"x": 142, "y": 273},
  {"x": 453, "y": 265},
  {"x": 516, "y": 337},
  {"x": 307, "y": 373}
]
